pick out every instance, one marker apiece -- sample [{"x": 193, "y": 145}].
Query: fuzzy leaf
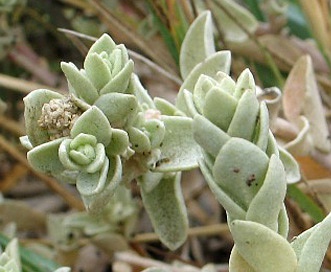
[
  {"x": 217, "y": 62},
  {"x": 81, "y": 85},
  {"x": 179, "y": 149},
  {"x": 292, "y": 168},
  {"x": 97, "y": 70},
  {"x": 150, "y": 180},
  {"x": 140, "y": 92},
  {"x": 91, "y": 184},
  {"x": 201, "y": 89},
  {"x": 104, "y": 43},
  {"x": 120, "y": 82},
  {"x": 198, "y": 44},
  {"x": 244, "y": 119},
  {"x": 232, "y": 208},
  {"x": 311, "y": 252},
  {"x": 283, "y": 222},
  {"x": 117, "y": 107},
  {"x": 240, "y": 169},
  {"x": 272, "y": 147},
  {"x": 96, "y": 203},
  {"x": 238, "y": 263},
  {"x": 262, "y": 248},
  {"x": 219, "y": 108},
  {"x": 166, "y": 108},
  {"x": 119, "y": 143},
  {"x": 266, "y": 205},
  {"x": 44, "y": 158},
  {"x": 185, "y": 103},
  {"x": 139, "y": 140},
  {"x": 210, "y": 137},
  {"x": 261, "y": 137},
  {"x": 244, "y": 82},
  {"x": 166, "y": 209},
  {"x": 34, "y": 102},
  {"x": 95, "y": 123},
  {"x": 156, "y": 131}
]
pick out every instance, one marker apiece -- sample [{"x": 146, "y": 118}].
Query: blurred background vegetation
[{"x": 267, "y": 36}]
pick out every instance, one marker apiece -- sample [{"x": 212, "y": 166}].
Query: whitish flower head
[{"x": 58, "y": 117}]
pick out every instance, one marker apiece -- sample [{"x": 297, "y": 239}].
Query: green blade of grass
[
  {"x": 165, "y": 33},
  {"x": 254, "y": 8},
  {"x": 305, "y": 203},
  {"x": 297, "y": 22}
]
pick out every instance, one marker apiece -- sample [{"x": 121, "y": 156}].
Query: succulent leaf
[
  {"x": 311, "y": 246},
  {"x": 167, "y": 211},
  {"x": 95, "y": 123},
  {"x": 34, "y": 102},
  {"x": 81, "y": 85},
  {"x": 271, "y": 195},
  {"x": 198, "y": 43},
  {"x": 117, "y": 107},
  {"x": 179, "y": 150},
  {"x": 262, "y": 248},
  {"x": 44, "y": 158}
]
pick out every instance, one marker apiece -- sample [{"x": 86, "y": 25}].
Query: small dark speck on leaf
[
  {"x": 250, "y": 180},
  {"x": 164, "y": 160},
  {"x": 236, "y": 170},
  {"x": 70, "y": 235}
]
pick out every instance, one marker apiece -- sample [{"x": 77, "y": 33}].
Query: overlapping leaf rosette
[
  {"x": 242, "y": 163},
  {"x": 109, "y": 131}
]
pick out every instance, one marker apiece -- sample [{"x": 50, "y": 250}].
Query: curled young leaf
[{"x": 301, "y": 97}]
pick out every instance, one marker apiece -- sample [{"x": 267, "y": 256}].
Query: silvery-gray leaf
[
  {"x": 166, "y": 208},
  {"x": 198, "y": 43}
]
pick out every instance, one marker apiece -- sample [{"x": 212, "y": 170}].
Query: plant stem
[
  {"x": 20, "y": 85},
  {"x": 197, "y": 231}
]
